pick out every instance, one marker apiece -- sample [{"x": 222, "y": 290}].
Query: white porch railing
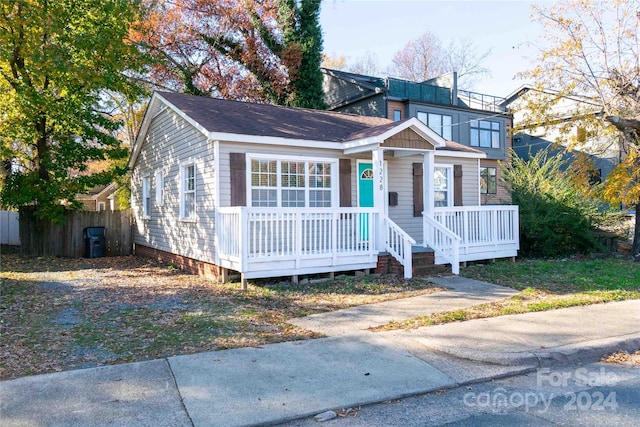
[
  {"x": 264, "y": 242},
  {"x": 485, "y": 231},
  {"x": 443, "y": 241},
  {"x": 398, "y": 244}
]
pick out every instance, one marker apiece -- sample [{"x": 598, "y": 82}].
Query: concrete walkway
[
  {"x": 461, "y": 293},
  {"x": 280, "y": 382}
]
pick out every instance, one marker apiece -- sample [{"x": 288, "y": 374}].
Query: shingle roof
[
  {"x": 454, "y": 146},
  {"x": 242, "y": 118},
  {"x": 219, "y": 115}
]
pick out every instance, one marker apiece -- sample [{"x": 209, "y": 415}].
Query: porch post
[
  {"x": 377, "y": 161},
  {"x": 427, "y": 184}
]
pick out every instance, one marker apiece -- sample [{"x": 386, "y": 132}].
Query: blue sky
[{"x": 353, "y": 27}]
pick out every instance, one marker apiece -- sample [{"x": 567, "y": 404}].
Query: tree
[
  {"x": 464, "y": 57},
  {"x": 256, "y": 51},
  {"x": 366, "y": 64},
  {"x": 420, "y": 59},
  {"x": 57, "y": 59},
  {"x": 425, "y": 57},
  {"x": 592, "y": 52},
  {"x": 334, "y": 62}
]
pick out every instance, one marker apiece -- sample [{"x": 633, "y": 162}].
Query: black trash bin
[{"x": 93, "y": 242}]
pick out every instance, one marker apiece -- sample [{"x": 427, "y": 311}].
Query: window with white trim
[
  {"x": 439, "y": 123},
  {"x": 485, "y": 133},
  {"x": 291, "y": 183},
  {"x": 102, "y": 206},
  {"x": 159, "y": 182},
  {"x": 146, "y": 196},
  {"x": 442, "y": 186},
  {"x": 188, "y": 192}
]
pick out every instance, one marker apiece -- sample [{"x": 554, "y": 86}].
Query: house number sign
[{"x": 380, "y": 175}]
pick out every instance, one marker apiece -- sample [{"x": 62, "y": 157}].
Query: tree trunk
[{"x": 635, "y": 248}]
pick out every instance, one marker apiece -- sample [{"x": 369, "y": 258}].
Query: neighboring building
[
  {"x": 602, "y": 150},
  {"x": 471, "y": 119},
  {"x": 271, "y": 191},
  {"x": 99, "y": 198}
]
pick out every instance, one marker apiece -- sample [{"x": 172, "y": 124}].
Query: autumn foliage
[
  {"x": 590, "y": 51},
  {"x": 268, "y": 51}
]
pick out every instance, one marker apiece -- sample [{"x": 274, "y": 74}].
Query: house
[
  {"x": 267, "y": 191},
  {"x": 99, "y": 198},
  {"x": 560, "y": 129},
  {"x": 472, "y": 119}
]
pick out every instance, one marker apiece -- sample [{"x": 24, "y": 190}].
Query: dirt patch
[{"x": 59, "y": 314}]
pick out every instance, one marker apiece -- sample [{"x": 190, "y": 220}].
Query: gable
[
  {"x": 340, "y": 90},
  {"x": 407, "y": 138}
]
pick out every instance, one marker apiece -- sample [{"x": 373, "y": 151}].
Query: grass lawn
[
  {"x": 58, "y": 314},
  {"x": 544, "y": 285}
]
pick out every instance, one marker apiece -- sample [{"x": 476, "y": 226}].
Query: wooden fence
[{"x": 45, "y": 238}]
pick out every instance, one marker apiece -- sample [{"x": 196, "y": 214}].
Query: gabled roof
[
  {"x": 243, "y": 118},
  {"x": 97, "y": 192},
  {"x": 220, "y": 119},
  {"x": 529, "y": 88}
]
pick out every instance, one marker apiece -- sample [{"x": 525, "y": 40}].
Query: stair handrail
[
  {"x": 398, "y": 243},
  {"x": 443, "y": 241}
]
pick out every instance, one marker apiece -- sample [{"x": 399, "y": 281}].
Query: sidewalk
[{"x": 280, "y": 382}]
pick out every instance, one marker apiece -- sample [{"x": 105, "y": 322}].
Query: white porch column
[
  {"x": 377, "y": 160},
  {"x": 427, "y": 183}
]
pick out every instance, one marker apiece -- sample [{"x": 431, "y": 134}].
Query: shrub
[{"x": 555, "y": 217}]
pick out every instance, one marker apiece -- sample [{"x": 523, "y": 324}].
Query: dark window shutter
[
  {"x": 418, "y": 189},
  {"x": 238, "y": 168},
  {"x": 457, "y": 185},
  {"x": 345, "y": 183}
]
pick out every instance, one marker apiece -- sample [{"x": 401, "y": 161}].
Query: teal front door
[{"x": 365, "y": 196}]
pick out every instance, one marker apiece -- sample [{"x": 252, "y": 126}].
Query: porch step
[{"x": 423, "y": 264}]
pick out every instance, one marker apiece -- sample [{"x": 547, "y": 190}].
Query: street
[{"x": 597, "y": 394}]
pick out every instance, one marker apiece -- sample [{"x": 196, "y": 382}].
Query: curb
[{"x": 585, "y": 351}]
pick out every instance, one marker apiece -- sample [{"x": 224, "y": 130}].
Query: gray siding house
[
  {"x": 562, "y": 134},
  {"x": 221, "y": 186},
  {"x": 468, "y": 118}
]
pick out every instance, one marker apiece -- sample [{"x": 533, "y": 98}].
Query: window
[
  {"x": 102, "y": 206},
  {"x": 159, "y": 181},
  {"x": 439, "y": 123},
  {"x": 397, "y": 115},
  {"x": 146, "y": 197},
  {"x": 320, "y": 185},
  {"x": 488, "y": 180},
  {"x": 290, "y": 183},
  {"x": 443, "y": 186},
  {"x": 264, "y": 183},
  {"x": 485, "y": 134},
  {"x": 188, "y": 192}
]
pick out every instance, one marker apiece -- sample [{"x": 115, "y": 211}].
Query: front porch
[{"x": 272, "y": 242}]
